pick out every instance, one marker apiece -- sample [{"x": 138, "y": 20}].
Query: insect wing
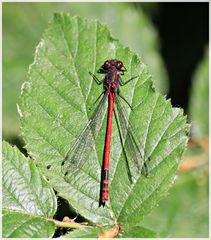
[
  {"x": 132, "y": 147},
  {"x": 78, "y": 153}
]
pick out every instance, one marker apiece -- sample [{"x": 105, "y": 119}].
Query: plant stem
[{"x": 69, "y": 224}]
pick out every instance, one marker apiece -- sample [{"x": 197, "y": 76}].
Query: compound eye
[
  {"x": 119, "y": 64},
  {"x": 106, "y": 64}
]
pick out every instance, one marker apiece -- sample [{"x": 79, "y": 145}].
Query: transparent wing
[
  {"x": 130, "y": 143},
  {"x": 78, "y": 153}
]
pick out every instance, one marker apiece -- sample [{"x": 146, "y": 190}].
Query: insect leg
[
  {"x": 96, "y": 79},
  {"x": 96, "y": 100},
  {"x": 125, "y": 100},
  {"x": 122, "y": 83}
]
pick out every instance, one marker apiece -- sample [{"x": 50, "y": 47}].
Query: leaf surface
[
  {"x": 54, "y": 109},
  {"x": 28, "y": 200},
  {"x": 86, "y": 232},
  {"x": 137, "y": 232},
  {"x": 21, "y": 225}
]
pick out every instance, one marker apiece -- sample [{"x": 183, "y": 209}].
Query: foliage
[
  {"x": 28, "y": 200},
  {"x": 23, "y": 24},
  {"x": 184, "y": 213},
  {"x": 124, "y": 233},
  {"x": 56, "y": 98}
]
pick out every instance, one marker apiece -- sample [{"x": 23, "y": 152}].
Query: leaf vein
[
  {"x": 58, "y": 93},
  {"x": 73, "y": 59},
  {"x": 162, "y": 134},
  {"x": 139, "y": 178},
  {"x": 52, "y": 116},
  {"x": 154, "y": 190},
  {"x": 14, "y": 197},
  {"x": 32, "y": 190}
]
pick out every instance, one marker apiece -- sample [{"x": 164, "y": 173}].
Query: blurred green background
[{"x": 172, "y": 39}]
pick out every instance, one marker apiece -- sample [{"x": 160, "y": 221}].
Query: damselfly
[{"x": 78, "y": 154}]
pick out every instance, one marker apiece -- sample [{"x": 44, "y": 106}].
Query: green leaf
[
  {"x": 87, "y": 232},
  {"x": 137, "y": 232},
  {"x": 27, "y": 198},
  {"x": 199, "y": 100},
  {"x": 21, "y": 225},
  {"x": 54, "y": 110}
]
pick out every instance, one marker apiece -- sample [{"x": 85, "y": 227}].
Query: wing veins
[
  {"x": 78, "y": 153},
  {"x": 131, "y": 146}
]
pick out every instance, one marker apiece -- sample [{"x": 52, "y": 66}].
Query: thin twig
[{"x": 70, "y": 224}]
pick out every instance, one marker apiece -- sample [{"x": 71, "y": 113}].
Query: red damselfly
[{"x": 78, "y": 154}]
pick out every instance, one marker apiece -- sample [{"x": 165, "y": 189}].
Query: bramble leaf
[
  {"x": 136, "y": 232},
  {"x": 87, "y": 232},
  {"x": 27, "y": 198},
  {"x": 54, "y": 109}
]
